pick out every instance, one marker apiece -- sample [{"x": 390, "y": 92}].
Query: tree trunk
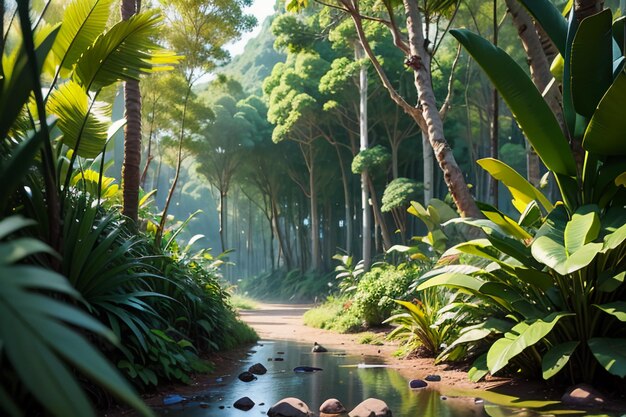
[
  {"x": 420, "y": 63},
  {"x": 315, "y": 220},
  {"x": 364, "y": 144},
  {"x": 346, "y": 202},
  {"x": 179, "y": 160},
  {"x": 223, "y": 215},
  {"x": 494, "y": 132},
  {"x": 132, "y": 135},
  {"x": 378, "y": 215},
  {"x": 428, "y": 166}
]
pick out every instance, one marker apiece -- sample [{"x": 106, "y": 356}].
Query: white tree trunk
[{"x": 365, "y": 209}]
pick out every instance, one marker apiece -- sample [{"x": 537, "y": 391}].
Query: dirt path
[{"x": 284, "y": 321}]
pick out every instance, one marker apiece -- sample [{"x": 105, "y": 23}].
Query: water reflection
[
  {"x": 340, "y": 378},
  {"x": 344, "y": 379}
]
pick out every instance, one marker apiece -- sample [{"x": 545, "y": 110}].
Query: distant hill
[{"x": 257, "y": 60}]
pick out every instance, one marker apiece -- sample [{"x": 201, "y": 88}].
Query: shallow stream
[{"x": 351, "y": 379}]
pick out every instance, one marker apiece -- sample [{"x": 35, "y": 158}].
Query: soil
[{"x": 284, "y": 322}]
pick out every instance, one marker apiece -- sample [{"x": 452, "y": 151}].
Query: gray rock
[
  {"x": 371, "y": 407},
  {"x": 257, "y": 369},
  {"x": 582, "y": 395},
  {"x": 289, "y": 407},
  {"x": 332, "y": 406},
  {"x": 246, "y": 377},
  {"x": 417, "y": 383},
  {"x": 318, "y": 348},
  {"x": 244, "y": 404}
]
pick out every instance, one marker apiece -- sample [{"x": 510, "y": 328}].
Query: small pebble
[
  {"x": 222, "y": 407},
  {"x": 279, "y": 359},
  {"x": 443, "y": 397}
]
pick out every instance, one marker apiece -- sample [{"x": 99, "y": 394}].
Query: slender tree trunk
[
  {"x": 419, "y": 61},
  {"x": 179, "y": 160},
  {"x": 277, "y": 231},
  {"x": 346, "y": 201},
  {"x": 495, "y": 123},
  {"x": 428, "y": 167},
  {"x": 378, "y": 215},
  {"x": 366, "y": 214},
  {"x": 132, "y": 135},
  {"x": 541, "y": 76},
  {"x": 315, "y": 220},
  {"x": 223, "y": 217}
]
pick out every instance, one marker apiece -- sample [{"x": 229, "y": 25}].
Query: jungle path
[{"x": 284, "y": 322}]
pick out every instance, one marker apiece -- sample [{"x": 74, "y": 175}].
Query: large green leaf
[
  {"x": 556, "y": 358},
  {"x": 452, "y": 279},
  {"x": 525, "y": 102},
  {"x": 124, "y": 52},
  {"x": 550, "y": 19},
  {"x": 84, "y": 123},
  {"x": 592, "y": 62},
  {"x": 618, "y": 31},
  {"x": 479, "y": 369},
  {"x": 83, "y": 22},
  {"x": 582, "y": 229},
  {"x": 506, "y": 224},
  {"x": 605, "y": 133},
  {"x": 522, "y": 191},
  {"x": 520, "y": 337},
  {"x": 611, "y": 353},
  {"x": 615, "y": 239},
  {"x": 616, "y": 309},
  {"x": 554, "y": 255}
]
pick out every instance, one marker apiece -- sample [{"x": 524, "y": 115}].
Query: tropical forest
[{"x": 305, "y": 207}]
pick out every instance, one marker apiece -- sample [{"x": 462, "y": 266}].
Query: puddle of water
[{"x": 343, "y": 377}]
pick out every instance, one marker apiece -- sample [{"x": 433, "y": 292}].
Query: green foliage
[
  {"x": 348, "y": 273},
  {"x": 372, "y": 160},
  {"x": 38, "y": 341},
  {"x": 427, "y": 323},
  {"x": 400, "y": 192},
  {"x": 369, "y": 338},
  {"x": 373, "y": 300}
]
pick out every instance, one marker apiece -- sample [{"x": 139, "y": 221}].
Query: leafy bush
[{"x": 373, "y": 299}]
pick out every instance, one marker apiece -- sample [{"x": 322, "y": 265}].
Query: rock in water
[
  {"x": 246, "y": 377},
  {"x": 289, "y": 407},
  {"x": 582, "y": 395},
  {"x": 371, "y": 407},
  {"x": 417, "y": 383},
  {"x": 318, "y": 348},
  {"x": 257, "y": 369},
  {"x": 301, "y": 369},
  {"x": 244, "y": 404},
  {"x": 332, "y": 406}
]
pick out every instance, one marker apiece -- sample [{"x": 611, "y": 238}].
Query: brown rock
[
  {"x": 332, "y": 406},
  {"x": 582, "y": 395},
  {"x": 289, "y": 407},
  {"x": 371, "y": 407}
]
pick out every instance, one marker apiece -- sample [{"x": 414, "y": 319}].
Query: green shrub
[{"x": 373, "y": 299}]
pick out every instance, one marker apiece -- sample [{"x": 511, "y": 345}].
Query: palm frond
[
  {"x": 83, "y": 22},
  {"x": 84, "y": 123},
  {"x": 124, "y": 52}
]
